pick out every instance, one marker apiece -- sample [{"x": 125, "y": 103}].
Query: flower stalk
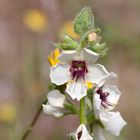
[
  {"x": 82, "y": 116},
  {"x": 30, "y": 127}
]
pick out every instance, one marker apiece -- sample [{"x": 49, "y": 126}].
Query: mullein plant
[{"x": 75, "y": 75}]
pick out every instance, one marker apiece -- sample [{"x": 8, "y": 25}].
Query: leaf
[
  {"x": 67, "y": 44},
  {"x": 84, "y": 21}
]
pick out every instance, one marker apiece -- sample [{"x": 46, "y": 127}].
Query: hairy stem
[
  {"x": 29, "y": 129},
  {"x": 82, "y": 111}
]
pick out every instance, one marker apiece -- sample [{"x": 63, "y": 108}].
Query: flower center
[
  {"x": 78, "y": 69},
  {"x": 103, "y": 97}
]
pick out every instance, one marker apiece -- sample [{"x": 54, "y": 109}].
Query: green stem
[
  {"x": 29, "y": 129},
  {"x": 82, "y": 111}
]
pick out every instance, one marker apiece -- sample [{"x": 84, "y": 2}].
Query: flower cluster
[{"x": 75, "y": 75}]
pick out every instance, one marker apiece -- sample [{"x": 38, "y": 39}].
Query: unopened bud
[{"x": 92, "y": 37}]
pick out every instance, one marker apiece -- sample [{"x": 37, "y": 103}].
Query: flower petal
[
  {"x": 109, "y": 79},
  {"x": 82, "y": 133},
  {"x": 48, "y": 109},
  {"x": 97, "y": 103},
  {"x": 113, "y": 122},
  {"x": 77, "y": 89},
  {"x": 60, "y": 74},
  {"x": 113, "y": 97},
  {"x": 89, "y": 56},
  {"x": 96, "y": 73},
  {"x": 56, "y": 99},
  {"x": 67, "y": 56},
  {"x": 98, "y": 133}
]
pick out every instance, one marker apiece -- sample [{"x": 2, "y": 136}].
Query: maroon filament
[
  {"x": 103, "y": 97},
  {"x": 78, "y": 69}
]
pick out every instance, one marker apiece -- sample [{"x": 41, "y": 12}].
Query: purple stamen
[
  {"x": 103, "y": 97},
  {"x": 78, "y": 69}
]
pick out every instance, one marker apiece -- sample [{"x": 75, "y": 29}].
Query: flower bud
[{"x": 92, "y": 37}]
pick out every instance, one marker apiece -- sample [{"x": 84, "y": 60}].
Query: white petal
[
  {"x": 98, "y": 133},
  {"x": 96, "y": 73},
  {"x": 84, "y": 133},
  {"x": 113, "y": 122},
  {"x": 114, "y": 95},
  {"x": 89, "y": 56},
  {"x": 96, "y": 103},
  {"x": 67, "y": 56},
  {"x": 60, "y": 74},
  {"x": 56, "y": 99},
  {"x": 109, "y": 79},
  {"x": 48, "y": 109},
  {"x": 77, "y": 89}
]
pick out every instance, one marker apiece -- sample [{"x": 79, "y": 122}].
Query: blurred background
[{"x": 27, "y": 30}]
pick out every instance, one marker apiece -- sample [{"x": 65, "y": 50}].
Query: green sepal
[
  {"x": 90, "y": 94},
  {"x": 52, "y": 86},
  {"x": 84, "y": 21},
  {"x": 71, "y": 136},
  {"x": 67, "y": 44},
  {"x": 90, "y": 117},
  {"x": 71, "y": 109},
  {"x": 99, "y": 48},
  {"x": 61, "y": 88},
  {"x": 88, "y": 103},
  {"x": 97, "y": 121}
]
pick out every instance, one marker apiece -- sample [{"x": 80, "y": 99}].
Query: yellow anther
[{"x": 89, "y": 85}]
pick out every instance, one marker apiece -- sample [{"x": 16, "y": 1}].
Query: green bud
[
  {"x": 84, "y": 21},
  {"x": 99, "y": 48},
  {"x": 68, "y": 44}
]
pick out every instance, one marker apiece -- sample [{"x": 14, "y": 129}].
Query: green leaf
[
  {"x": 84, "y": 21},
  {"x": 67, "y": 44},
  {"x": 101, "y": 48}
]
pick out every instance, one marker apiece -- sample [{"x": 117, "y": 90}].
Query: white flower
[
  {"x": 77, "y": 68},
  {"x": 113, "y": 123},
  {"x": 55, "y": 105},
  {"x": 105, "y": 98},
  {"x": 106, "y": 95},
  {"x": 82, "y": 133}
]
